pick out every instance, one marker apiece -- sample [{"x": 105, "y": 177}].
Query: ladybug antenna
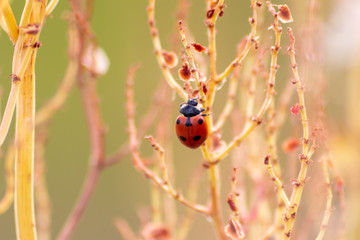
[{"x": 193, "y": 102}]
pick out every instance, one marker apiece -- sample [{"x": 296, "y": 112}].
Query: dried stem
[
  {"x": 277, "y": 181},
  {"x": 249, "y": 43},
  {"x": 8, "y": 21},
  {"x": 193, "y": 65},
  {"x": 43, "y": 117},
  {"x": 306, "y": 154},
  {"x": 51, "y": 6},
  {"x": 138, "y": 162},
  {"x": 231, "y": 96},
  {"x": 269, "y": 96},
  {"x": 87, "y": 85},
  {"x": 97, "y": 158},
  {"x": 25, "y": 121},
  {"x": 158, "y": 53},
  {"x": 275, "y": 170},
  {"x": 328, "y": 208}
]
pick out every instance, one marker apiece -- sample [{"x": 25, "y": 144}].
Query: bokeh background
[{"x": 122, "y": 31}]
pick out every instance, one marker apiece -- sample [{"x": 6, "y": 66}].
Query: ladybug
[{"x": 191, "y": 127}]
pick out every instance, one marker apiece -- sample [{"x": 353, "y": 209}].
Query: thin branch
[
  {"x": 306, "y": 154},
  {"x": 249, "y": 43},
  {"x": 158, "y": 53},
  {"x": 231, "y": 96},
  {"x": 277, "y": 181},
  {"x": 194, "y": 69},
  {"x": 9, "y": 22},
  {"x": 138, "y": 162},
  {"x": 329, "y": 196},
  {"x": 255, "y": 121},
  {"x": 51, "y": 6},
  {"x": 89, "y": 96},
  {"x": 24, "y": 68}
]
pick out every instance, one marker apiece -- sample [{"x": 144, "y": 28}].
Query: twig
[
  {"x": 51, "y": 6},
  {"x": 277, "y": 181},
  {"x": 249, "y": 43},
  {"x": 329, "y": 195},
  {"x": 138, "y": 162},
  {"x": 24, "y": 66},
  {"x": 43, "y": 117},
  {"x": 306, "y": 154},
  {"x": 8, "y": 21},
  {"x": 194, "y": 69},
  {"x": 269, "y": 96},
  {"x": 158, "y": 52},
  {"x": 231, "y": 96},
  {"x": 89, "y": 97}
]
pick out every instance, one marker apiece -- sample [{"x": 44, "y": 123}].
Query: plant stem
[
  {"x": 24, "y": 156},
  {"x": 215, "y": 203}
]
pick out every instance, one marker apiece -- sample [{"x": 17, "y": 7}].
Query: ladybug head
[
  {"x": 192, "y": 102},
  {"x": 190, "y": 109}
]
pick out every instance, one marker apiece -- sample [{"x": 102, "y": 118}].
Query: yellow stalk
[
  {"x": 24, "y": 156},
  {"x": 158, "y": 52},
  {"x": 24, "y": 68},
  {"x": 9, "y": 21},
  {"x": 51, "y": 6},
  {"x": 20, "y": 63}
]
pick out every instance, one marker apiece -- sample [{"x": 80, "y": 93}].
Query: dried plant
[
  {"x": 196, "y": 84},
  {"x": 268, "y": 195}
]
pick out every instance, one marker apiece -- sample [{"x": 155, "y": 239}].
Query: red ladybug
[{"x": 191, "y": 127}]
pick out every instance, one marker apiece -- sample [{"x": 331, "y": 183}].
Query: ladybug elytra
[{"x": 191, "y": 127}]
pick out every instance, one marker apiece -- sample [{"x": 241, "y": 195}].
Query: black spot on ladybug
[
  {"x": 197, "y": 138},
  {"x": 178, "y": 121},
  {"x": 188, "y": 122},
  {"x": 182, "y": 138},
  {"x": 200, "y": 121}
]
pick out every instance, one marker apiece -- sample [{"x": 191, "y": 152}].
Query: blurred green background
[{"x": 122, "y": 31}]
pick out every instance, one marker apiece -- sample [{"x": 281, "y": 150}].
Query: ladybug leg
[{"x": 203, "y": 114}]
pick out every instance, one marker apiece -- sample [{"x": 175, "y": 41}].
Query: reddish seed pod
[
  {"x": 295, "y": 109},
  {"x": 234, "y": 229},
  {"x": 203, "y": 86},
  {"x": 266, "y": 159},
  {"x": 210, "y": 13},
  {"x": 285, "y": 14},
  {"x": 170, "y": 58},
  {"x": 290, "y": 145},
  {"x": 156, "y": 231},
  {"x": 339, "y": 184},
  {"x": 231, "y": 203},
  {"x": 198, "y": 47},
  {"x": 184, "y": 72}
]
